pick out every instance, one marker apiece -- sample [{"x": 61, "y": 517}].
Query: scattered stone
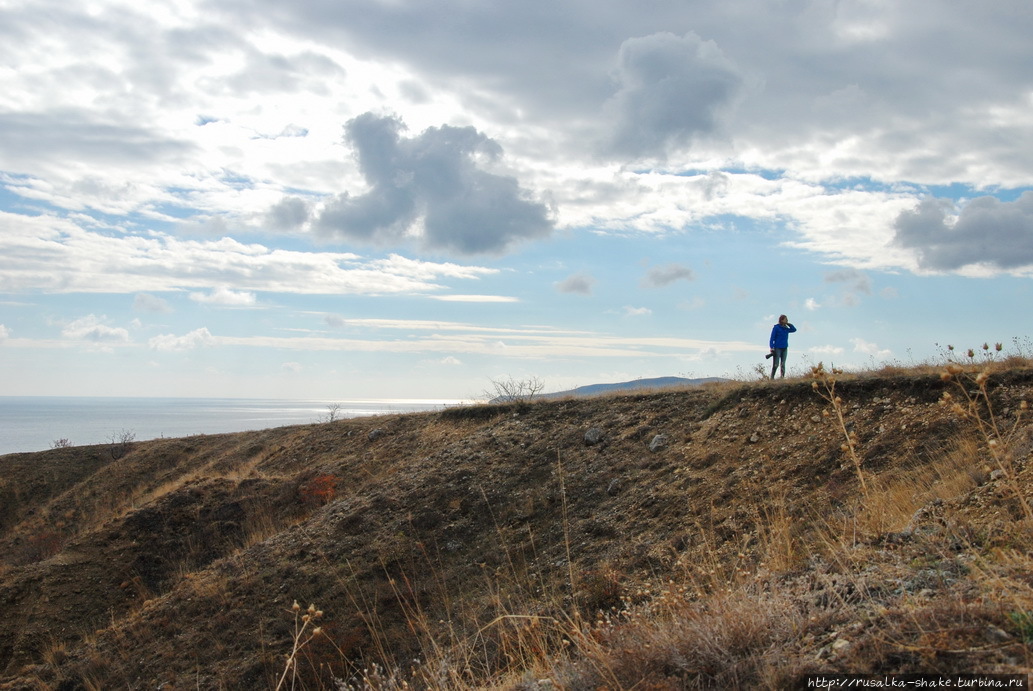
[
  {"x": 614, "y": 487},
  {"x": 375, "y": 434},
  {"x": 754, "y": 438},
  {"x": 997, "y": 635},
  {"x": 840, "y": 645},
  {"x": 593, "y": 436},
  {"x": 658, "y": 443}
]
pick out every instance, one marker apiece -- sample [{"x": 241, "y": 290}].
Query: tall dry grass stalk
[
  {"x": 825, "y": 384},
  {"x": 306, "y": 630},
  {"x": 999, "y": 435}
]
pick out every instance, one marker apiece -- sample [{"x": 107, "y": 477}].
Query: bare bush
[
  {"x": 333, "y": 413},
  {"x": 510, "y": 389},
  {"x": 121, "y": 442},
  {"x": 61, "y": 443}
]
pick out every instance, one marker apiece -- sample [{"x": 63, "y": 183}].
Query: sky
[{"x": 346, "y": 199}]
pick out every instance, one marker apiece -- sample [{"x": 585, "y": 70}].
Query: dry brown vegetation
[{"x": 733, "y": 536}]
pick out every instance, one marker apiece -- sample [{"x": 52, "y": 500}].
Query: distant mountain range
[{"x": 654, "y": 383}]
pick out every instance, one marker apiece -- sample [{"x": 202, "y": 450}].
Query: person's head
[{"x": 783, "y": 319}]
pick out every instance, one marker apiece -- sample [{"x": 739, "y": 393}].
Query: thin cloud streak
[
  {"x": 98, "y": 263},
  {"x": 514, "y": 345}
]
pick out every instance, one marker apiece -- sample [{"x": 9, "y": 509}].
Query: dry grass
[
  {"x": 747, "y": 622},
  {"x": 867, "y": 559}
]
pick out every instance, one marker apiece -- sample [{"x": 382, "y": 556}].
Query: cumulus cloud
[
  {"x": 660, "y": 276},
  {"x": 190, "y": 341},
  {"x": 287, "y": 214},
  {"x": 434, "y": 188},
  {"x": 811, "y": 304},
  {"x": 92, "y": 328},
  {"x": 986, "y": 231},
  {"x": 872, "y": 349},
  {"x": 671, "y": 89},
  {"x": 630, "y": 311},
  {"x": 4, "y": 332},
  {"x": 144, "y": 302},
  {"x": 578, "y": 284},
  {"x": 225, "y": 297}
]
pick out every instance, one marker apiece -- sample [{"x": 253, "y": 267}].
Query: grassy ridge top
[{"x": 730, "y": 535}]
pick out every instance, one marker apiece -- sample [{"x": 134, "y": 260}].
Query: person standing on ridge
[{"x": 779, "y": 344}]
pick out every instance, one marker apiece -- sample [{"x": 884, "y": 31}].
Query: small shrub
[
  {"x": 61, "y": 443},
  {"x": 319, "y": 491},
  {"x": 121, "y": 442},
  {"x": 601, "y": 590},
  {"x": 1023, "y": 623}
]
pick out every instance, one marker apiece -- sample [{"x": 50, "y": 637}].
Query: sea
[{"x": 36, "y": 423}]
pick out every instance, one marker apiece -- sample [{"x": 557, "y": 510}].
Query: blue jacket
[{"x": 780, "y": 335}]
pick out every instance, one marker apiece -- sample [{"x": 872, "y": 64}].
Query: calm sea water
[{"x": 34, "y": 423}]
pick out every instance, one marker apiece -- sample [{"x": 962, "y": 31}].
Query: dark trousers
[{"x": 778, "y": 360}]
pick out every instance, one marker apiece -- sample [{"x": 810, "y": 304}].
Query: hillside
[
  {"x": 654, "y": 383},
  {"x": 726, "y": 536}
]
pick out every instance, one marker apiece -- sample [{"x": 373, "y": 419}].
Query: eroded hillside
[{"x": 671, "y": 540}]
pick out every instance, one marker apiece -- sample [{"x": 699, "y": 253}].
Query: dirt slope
[{"x": 176, "y": 564}]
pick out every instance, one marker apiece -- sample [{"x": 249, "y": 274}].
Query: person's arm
[
  {"x": 792, "y": 329},
  {"x": 771, "y": 341}
]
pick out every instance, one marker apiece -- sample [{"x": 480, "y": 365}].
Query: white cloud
[
  {"x": 811, "y": 304},
  {"x": 826, "y": 350},
  {"x": 863, "y": 346},
  {"x": 95, "y": 262},
  {"x": 452, "y": 339},
  {"x": 630, "y": 311},
  {"x": 4, "y": 332},
  {"x": 292, "y": 367},
  {"x": 224, "y": 297},
  {"x": 163, "y": 122},
  {"x": 172, "y": 343},
  {"x": 92, "y": 328},
  {"x": 475, "y": 298},
  {"x": 144, "y": 302},
  {"x": 249, "y": 152}
]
